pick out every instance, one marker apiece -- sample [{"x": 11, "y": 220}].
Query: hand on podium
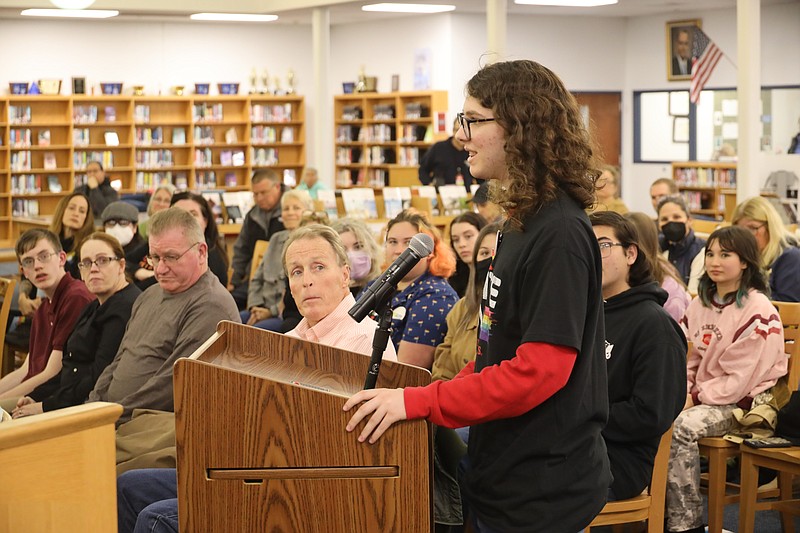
[{"x": 387, "y": 405}]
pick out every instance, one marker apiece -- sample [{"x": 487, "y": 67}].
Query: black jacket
[
  {"x": 681, "y": 254},
  {"x": 258, "y": 225},
  {"x": 100, "y": 196}
]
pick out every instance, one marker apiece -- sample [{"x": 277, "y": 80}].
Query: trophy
[
  {"x": 265, "y": 81},
  {"x": 254, "y": 81},
  {"x": 361, "y": 86},
  {"x": 290, "y": 82},
  {"x": 278, "y": 89}
]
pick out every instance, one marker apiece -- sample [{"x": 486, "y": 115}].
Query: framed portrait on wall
[{"x": 680, "y": 38}]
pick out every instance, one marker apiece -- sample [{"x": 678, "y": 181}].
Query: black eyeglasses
[
  {"x": 465, "y": 123},
  {"x": 111, "y": 223},
  {"x": 154, "y": 260},
  {"x": 605, "y": 248},
  {"x": 101, "y": 261}
]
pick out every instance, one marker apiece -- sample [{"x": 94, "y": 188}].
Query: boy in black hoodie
[{"x": 645, "y": 357}]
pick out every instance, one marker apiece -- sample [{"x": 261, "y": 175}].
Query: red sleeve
[
  {"x": 466, "y": 371},
  {"x": 509, "y": 389}
]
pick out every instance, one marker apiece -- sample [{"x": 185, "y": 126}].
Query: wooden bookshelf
[
  {"x": 702, "y": 184},
  {"x": 378, "y": 134},
  {"x": 178, "y": 139}
]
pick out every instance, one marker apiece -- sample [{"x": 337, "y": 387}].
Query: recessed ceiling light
[
  {"x": 71, "y": 13},
  {"x": 566, "y": 3},
  {"x": 72, "y": 4},
  {"x": 408, "y": 8},
  {"x": 233, "y": 17}
]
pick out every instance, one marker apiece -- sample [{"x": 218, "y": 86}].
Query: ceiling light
[
  {"x": 71, "y": 13},
  {"x": 233, "y": 17},
  {"x": 72, "y": 4},
  {"x": 566, "y": 3},
  {"x": 408, "y": 8}
]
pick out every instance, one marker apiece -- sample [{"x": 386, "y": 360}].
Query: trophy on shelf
[
  {"x": 254, "y": 81},
  {"x": 361, "y": 86},
  {"x": 290, "y": 82},
  {"x": 278, "y": 90},
  {"x": 265, "y": 81}
]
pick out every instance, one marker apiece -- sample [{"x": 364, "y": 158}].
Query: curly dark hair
[
  {"x": 641, "y": 271},
  {"x": 547, "y": 146}
]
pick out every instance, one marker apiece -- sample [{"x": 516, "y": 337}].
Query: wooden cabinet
[
  {"x": 702, "y": 185},
  {"x": 377, "y": 134},
  {"x": 194, "y": 142}
]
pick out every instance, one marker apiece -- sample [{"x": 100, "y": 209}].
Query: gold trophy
[
  {"x": 254, "y": 81},
  {"x": 265, "y": 81},
  {"x": 278, "y": 89},
  {"x": 290, "y": 82},
  {"x": 361, "y": 86}
]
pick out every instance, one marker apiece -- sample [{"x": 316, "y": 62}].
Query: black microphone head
[{"x": 421, "y": 244}]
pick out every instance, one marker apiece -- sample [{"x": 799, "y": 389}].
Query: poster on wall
[{"x": 423, "y": 66}]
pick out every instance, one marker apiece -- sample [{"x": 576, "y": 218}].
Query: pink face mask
[{"x": 360, "y": 264}]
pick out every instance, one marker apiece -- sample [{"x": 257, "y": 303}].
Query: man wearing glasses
[
  {"x": 42, "y": 258},
  {"x": 169, "y": 320}
]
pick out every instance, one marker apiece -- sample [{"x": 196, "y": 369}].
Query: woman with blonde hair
[
  {"x": 159, "y": 200},
  {"x": 607, "y": 194},
  {"x": 780, "y": 256},
  {"x": 425, "y": 297},
  {"x": 664, "y": 272},
  {"x": 363, "y": 252}
]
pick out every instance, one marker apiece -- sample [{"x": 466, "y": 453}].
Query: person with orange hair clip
[{"x": 419, "y": 309}]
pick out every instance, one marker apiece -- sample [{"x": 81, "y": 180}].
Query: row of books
[
  {"x": 19, "y": 114},
  {"x": 374, "y": 177},
  {"x": 381, "y": 133},
  {"x": 383, "y": 112},
  {"x": 417, "y": 133},
  {"x": 202, "y": 157},
  {"x": 264, "y": 157},
  {"x": 705, "y": 177},
  {"x": 352, "y": 112},
  {"x": 233, "y": 158},
  {"x": 155, "y": 158},
  {"x": 270, "y": 113},
  {"x": 32, "y": 183},
  {"x": 408, "y": 155},
  {"x": 207, "y": 112},
  {"x": 155, "y": 136},
  {"x": 206, "y": 179},
  {"x": 697, "y": 200},
  {"x": 378, "y": 155},
  {"x": 147, "y": 181},
  {"x": 141, "y": 113},
  {"x": 21, "y": 160},
  {"x": 268, "y": 134},
  {"x": 81, "y": 159},
  {"x": 417, "y": 110},
  {"x": 24, "y": 208},
  {"x": 347, "y": 134},
  {"x": 87, "y": 114}
]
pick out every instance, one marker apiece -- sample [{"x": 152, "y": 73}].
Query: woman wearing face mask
[
  {"x": 682, "y": 247},
  {"x": 120, "y": 221},
  {"x": 464, "y": 231},
  {"x": 363, "y": 253},
  {"x": 458, "y": 347}
]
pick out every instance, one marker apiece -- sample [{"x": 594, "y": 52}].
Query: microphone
[{"x": 420, "y": 246}]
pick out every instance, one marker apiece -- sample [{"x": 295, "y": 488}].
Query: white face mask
[{"x": 123, "y": 234}]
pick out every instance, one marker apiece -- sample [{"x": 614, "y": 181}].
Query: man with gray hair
[{"x": 169, "y": 320}]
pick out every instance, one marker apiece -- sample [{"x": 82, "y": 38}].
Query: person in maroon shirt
[{"x": 42, "y": 258}]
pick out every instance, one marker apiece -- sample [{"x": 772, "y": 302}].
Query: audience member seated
[
  {"x": 42, "y": 259},
  {"x": 310, "y": 183},
  {"x": 260, "y": 223},
  {"x": 780, "y": 256},
  {"x": 363, "y": 253},
  {"x": 664, "y": 272},
  {"x": 490, "y": 211},
  {"x": 464, "y": 231},
  {"x": 316, "y": 264},
  {"x": 159, "y": 200},
  {"x": 678, "y": 241},
  {"x": 419, "y": 310},
  {"x": 120, "y": 220},
  {"x": 93, "y": 343},
  {"x": 198, "y": 207},
  {"x": 645, "y": 357},
  {"x": 661, "y": 188},
  {"x": 267, "y": 286},
  {"x": 458, "y": 347},
  {"x": 607, "y": 192},
  {"x": 737, "y": 355},
  {"x": 169, "y": 320},
  {"x": 97, "y": 188}
]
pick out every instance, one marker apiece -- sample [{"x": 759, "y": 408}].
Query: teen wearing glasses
[
  {"x": 42, "y": 259},
  {"x": 536, "y": 396},
  {"x": 93, "y": 343},
  {"x": 780, "y": 256},
  {"x": 169, "y": 320}
]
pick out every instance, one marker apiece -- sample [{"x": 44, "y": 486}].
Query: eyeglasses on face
[
  {"x": 112, "y": 223},
  {"x": 465, "y": 123},
  {"x": 169, "y": 259},
  {"x": 605, "y": 247},
  {"x": 101, "y": 261},
  {"x": 43, "y": 257}
]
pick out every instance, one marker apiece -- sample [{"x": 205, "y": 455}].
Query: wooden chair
[
  {"x": 259, "y": 250},
  {"x": 719, "y": 451},
  {"x": 6, "y": 293},
  {"x": 647, "y": 506}
]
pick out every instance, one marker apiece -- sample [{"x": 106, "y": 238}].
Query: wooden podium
[{"x": 262, "y": 446}]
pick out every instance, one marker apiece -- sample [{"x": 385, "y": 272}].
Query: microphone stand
[{"x": 379, "y": 342}]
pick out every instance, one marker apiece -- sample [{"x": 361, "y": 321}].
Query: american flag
[{"x": 705, "y": 56}]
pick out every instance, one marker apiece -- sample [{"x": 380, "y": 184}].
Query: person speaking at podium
[{"x": 536, "y": 396}]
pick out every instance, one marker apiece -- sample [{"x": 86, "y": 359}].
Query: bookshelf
[
  {"x": 702, "y": 184},
  {"x": 379, "y": 134},
  {"x": 194, "y": 142}
]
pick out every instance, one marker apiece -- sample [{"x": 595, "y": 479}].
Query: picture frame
[
  {"x": 679, "y": 41},
  {"x": 680, "y": 129},
  {"x": 679, "y": 103}
]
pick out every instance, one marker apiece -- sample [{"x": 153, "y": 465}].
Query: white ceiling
[{"x": 345, "y": 11}]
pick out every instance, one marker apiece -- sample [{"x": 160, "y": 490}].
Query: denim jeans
[{"x": 147, "y": 501}]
